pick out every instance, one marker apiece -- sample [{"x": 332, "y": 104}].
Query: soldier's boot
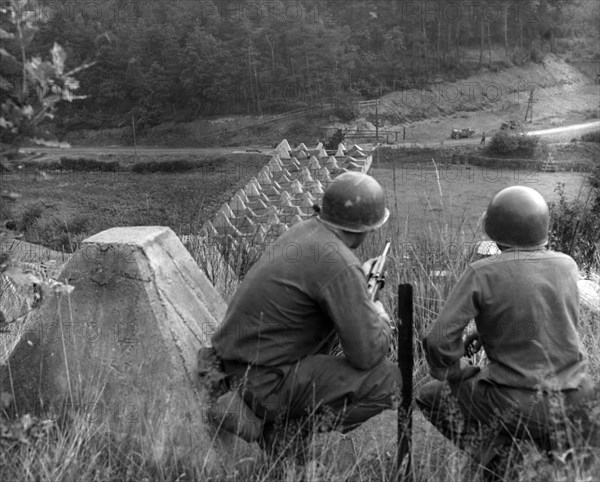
[
  {"x": 287, "y": 439},
  {"x": 229, "y": 412}
]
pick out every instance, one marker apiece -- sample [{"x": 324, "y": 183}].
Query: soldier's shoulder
[{"x": 560, "y": 256}]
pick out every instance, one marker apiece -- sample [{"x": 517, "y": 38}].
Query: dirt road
[
  {"x": 142, "y": 151},
  {"x": 579, "y": 128},
  {"x": 553, "y": 134}
]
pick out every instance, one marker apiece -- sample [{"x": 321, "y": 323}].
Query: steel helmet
[
  {"x": 517, "y": 216},
  {"x": 354, "y": 202}
]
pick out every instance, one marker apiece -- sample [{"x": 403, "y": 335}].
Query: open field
[
  {"x": 455, "y": 196},
  {"x": 59, "y": 209}
]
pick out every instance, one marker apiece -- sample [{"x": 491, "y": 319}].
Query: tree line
[{"x": 179, "y": 59}]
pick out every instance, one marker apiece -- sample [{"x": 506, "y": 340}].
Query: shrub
[
  {"x": 502, "y": 64},
  {"x": 519, "y": 57},
  {"x": 594, "y": 180},
  {"x": 507, "y": 143},
  {"x": 575, "y": 225},
  {"x": 334, "y": 141},
  {"x": 591, "y": 137},
  {"x": 537, "y": 54},
  {"x": 175, "y": 165},
  {"x": 29, "y": 216},
  {"x": 81, "y": 164},
  {"x": 346, "y": 112},
  {"x": 59, "y": 234},
  {"x": 85, "y": 164},
  {"x": 78, "y": 224}
]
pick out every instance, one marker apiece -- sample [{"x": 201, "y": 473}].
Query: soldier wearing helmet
[
  {"x": 308, "y": 287},
  {"x": 525, "y": 305}
]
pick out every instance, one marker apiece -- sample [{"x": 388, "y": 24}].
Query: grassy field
[
  {"x": 435, "y": 217},
  {"x": 455, "y": 196},
  {"x": 60, "y": 209}
]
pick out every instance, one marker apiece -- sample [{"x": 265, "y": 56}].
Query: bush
[
  {"x": 575, "y": 225},
  {"x": 594, "y": 180},
  {"x": 346, "y": 112},
  {"x": 502, "y": 64},
  {"x": 29, "y": 216},
  {"x": 591, "y": 137},
  {"x": 78, "y": 224},
  {"x": 176, "y": 165},
  {"x": 510, "y": 144},
  {"x": 85, "y": 164},
  {"x": 59, "y": 234},
  {"x": 81, "y": 164},
  {"x": 519, "y": 57},
  {"x": 537, "y": 53},
  {"x": 334, "y": 141}
]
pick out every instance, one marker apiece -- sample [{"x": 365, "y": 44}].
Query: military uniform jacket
[
  {"x": 307, "y": 285},
  {"x": 525, "y": 303}
]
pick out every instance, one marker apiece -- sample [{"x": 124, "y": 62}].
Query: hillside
[{"x": 562, "y": 94}]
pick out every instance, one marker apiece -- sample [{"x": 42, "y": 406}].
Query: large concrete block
[{"x": 123, "y": 346}]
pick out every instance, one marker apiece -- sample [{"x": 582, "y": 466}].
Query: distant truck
[
  {"x": 512, "y": 125},
  {"x": 462, "y": 133}
]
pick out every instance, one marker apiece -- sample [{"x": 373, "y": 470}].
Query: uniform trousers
[
  {"x": 316, "y": 384},
  {"x": 483, "y": 417}
]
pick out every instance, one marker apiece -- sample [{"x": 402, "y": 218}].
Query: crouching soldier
[
  {"x": 526, "y": 306},
  {"x": 275, "y": 340}
]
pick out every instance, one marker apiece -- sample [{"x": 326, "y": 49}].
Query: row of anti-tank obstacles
[{"x": 283, "y": 193}]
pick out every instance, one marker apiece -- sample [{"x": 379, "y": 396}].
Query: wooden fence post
[{"x": 405, "y": 363}]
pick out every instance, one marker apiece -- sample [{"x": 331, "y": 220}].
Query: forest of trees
[{"x": 179, "y": 59}]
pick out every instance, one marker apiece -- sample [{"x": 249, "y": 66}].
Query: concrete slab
[{"x": 123, "y": 347}]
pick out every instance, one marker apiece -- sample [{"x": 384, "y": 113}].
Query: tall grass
[{"x": 71, "y": 449}]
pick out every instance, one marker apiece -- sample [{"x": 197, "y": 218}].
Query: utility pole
[
  {"x": 405, "y": 364},
  {"x": 133, "y": 127},
  {"x": 377, "y": 119},
  {"x": 529, "y": 111}
]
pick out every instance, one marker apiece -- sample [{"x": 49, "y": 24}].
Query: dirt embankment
[{"x": 562, "y": 94}]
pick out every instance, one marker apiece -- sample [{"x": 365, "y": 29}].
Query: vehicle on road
[
  {"x": 462, "y": 133},
  {"x": 512, "y": 125}
]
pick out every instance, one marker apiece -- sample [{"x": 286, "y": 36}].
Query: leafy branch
[{"x": 31, "y": 88}]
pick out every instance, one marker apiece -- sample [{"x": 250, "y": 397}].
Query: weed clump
[
  {"x": 29, "y": 216},
  {"x": 575, "y": 225},
  {"x": 59, "y": 234}
]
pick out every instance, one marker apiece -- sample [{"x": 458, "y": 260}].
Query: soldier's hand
[
  {"x": 472, "y": 344},
  {"x": 383, "y": 314},
  {"x": 466, "y": 371},
  {"x": 368, "y": 266}
]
